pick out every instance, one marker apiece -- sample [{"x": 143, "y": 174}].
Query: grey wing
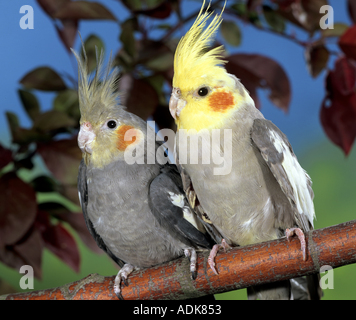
[
  {"x": 171, "y": 209},
  {"x": 83, "y": 198},
  {"x": 281, "y": 160}
]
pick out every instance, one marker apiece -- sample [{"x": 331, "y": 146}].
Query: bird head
[
  {"x": 203, "y": 93},
  {"x": 106, "y": 129}
]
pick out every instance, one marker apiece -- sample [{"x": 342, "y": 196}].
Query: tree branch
[{"x": 239, "y": 268}]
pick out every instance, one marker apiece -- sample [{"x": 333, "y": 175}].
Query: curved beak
[
  {"x": 176, "y": 104},
  {"x": 86, "y": 137}
]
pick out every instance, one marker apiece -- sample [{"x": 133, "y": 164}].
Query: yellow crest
[{"x": 192, "y": 56}]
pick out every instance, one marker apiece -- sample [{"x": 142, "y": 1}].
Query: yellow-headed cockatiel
[
  {"x": 265, "y": 192},
  {"x": 137, "y": 213}
]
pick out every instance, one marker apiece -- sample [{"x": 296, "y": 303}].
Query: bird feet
[
  {"x": 193, "y": 261},
  {"x": 122, "y": 275},
  {"x": 214, "y": 252},
  {"x": 296, "y": 231}
]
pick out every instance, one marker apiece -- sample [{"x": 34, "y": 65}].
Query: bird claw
[
  {"x": 193, "y": 261},
  {"x": 213, "y": 253},
  {"x": 122, "y": 276},
  {"x": 299, "y": 233}
]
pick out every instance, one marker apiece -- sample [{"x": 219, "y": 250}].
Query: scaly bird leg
[
  {"x": 296, "y": 231},
  {"x": 214, "y": 252},
  {"x": 193, "y": 261},
  {"x": 122, "y": 275}
]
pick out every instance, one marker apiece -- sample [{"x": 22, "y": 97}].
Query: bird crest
[
  {"x": 192, "y": 56},
  {"x": 102, "y": 89}
]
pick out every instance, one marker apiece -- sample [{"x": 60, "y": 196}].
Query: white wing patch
[
  {"x": 297, "y": 177},
  {"x": 178, "y": 201}
]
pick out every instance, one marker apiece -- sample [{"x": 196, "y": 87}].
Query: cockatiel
[
  {"x": 135, "y": 212},
  {"x": 264, "y": 192}
]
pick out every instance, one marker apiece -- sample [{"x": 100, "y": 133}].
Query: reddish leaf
[
  {"x": 317, "y": 58},
  {"x": 143, "y": 104},
  {"x": 43, "y": 78},
  {"x": 44, "y": 184},
  {"x": 57, "y": 239},
  {"x": 338, "y": 111},
  {"x": 155, "y": 55},
  {"x": 285, "y": 4},
  {"x": 70, "y": 191},
  {"x": 252, "y": 5},
  {"x": 347, "y": 42},
  {"x": 68, "y": 33},
  {"x": 53, "y": 120},
  {"x": 52, "y": 6},
  {"x": 84, "y": 10},
  {"x": 163, "y": 11},
  {"x": 27, "y": 251},
  {"x": 77, "y": 222},
  {"x": 17, "y": 210},
  {"x": 351, "y": 5},
  {"x": 19, "y": 135},
  {"x": 304, "y": 13},
  {"x": 62, "y": 158},
  {"x": 259, "y": 71},
  {"x": 5, "y": 157},
  {"x": 343, "y": 78},
  {"x": 159, "y": 9}
]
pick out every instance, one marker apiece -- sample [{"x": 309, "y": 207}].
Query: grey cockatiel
[
  {"x": 259, "y": 190},
  {"x": 134, "y": 207}
]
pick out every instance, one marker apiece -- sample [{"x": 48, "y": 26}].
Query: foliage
[{"x": 26, "y": 226}]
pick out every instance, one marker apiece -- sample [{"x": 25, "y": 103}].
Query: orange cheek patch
[
  {"x": 221, "y": 101},
  {"x": 131, "y": 136}
]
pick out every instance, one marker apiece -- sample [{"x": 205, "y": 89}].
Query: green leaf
[
  {"x": 139, "y": 5},
  {"x": 275, "y": 21},
  {"x": 13, "y": 121},
  {"x": 30, "y": 103},
  {"x": 240, "y": 9},
  {"x": 161, "y": 62},
  {"x": 90, "y": 45},
  {"x": 127, "y": 36},
  {"x": 231, "y": 33},
  {"x": 67, "y": 101},
  {"x": 43, "y": 78},
  {"x": 339, "y": 30}
]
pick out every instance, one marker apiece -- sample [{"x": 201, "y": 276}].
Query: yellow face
[
  {"x": 207, "y": 104},
  {"x": 101, "y": 143}
]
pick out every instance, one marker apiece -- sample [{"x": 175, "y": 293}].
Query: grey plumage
[{"x": 127, "y": 206}]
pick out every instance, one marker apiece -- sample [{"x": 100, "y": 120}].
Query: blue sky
[{"x": 24, "y": 50}]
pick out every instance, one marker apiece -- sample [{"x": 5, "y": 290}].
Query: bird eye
[
  {"x": 111, "y": 124},
  {"x": 203, "y": 91}
]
